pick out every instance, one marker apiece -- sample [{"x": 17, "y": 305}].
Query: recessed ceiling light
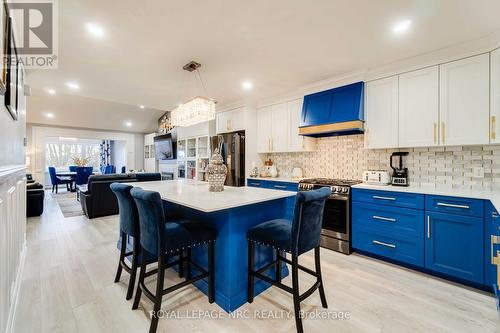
[
  {"x": 51, "y": 91},
  {"x": 142, "y": 106},
  {"x": 401, "y": 27},
  {"x": 128, "y": 123},
  {"x": 247, "y": 85},
  {"x": 72, "y": 85},
  {"x": 48, "y": 115},
  {"x": 95, "y": 30}
]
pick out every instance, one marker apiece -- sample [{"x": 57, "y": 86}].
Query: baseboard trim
[{"x": 17, "y": 288}]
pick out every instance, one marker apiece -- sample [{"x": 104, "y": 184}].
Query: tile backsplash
[{"x": 447, "y": 167}]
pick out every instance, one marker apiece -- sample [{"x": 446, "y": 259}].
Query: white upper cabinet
[
  {"x": 280, "y": 128},
  {"x": 381, "y": 113},
  {"x": 264, "y": 129},
  {"x": 230, "y": 121},
  {"x": 419, "y": 108},
  {"x": 296, "y": 142},
  {"x": 464, "y": 101},
  {"x": 495, "y": 97}
]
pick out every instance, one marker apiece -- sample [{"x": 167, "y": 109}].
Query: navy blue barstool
[
  {"x": 296, "y": 237},
  {"x": 129, "y": 226},
  {"x": 161, "y": 240}
]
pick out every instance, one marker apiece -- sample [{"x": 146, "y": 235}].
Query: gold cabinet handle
[
  {"x": 443, "y": 133},
  {"x": 493, "y": 127},
  {"x": 494, "y": 241},
  {"x": 269, "y": 144},
  {"x": 435, "y": 133}
]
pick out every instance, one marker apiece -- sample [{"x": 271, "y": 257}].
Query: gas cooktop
[{"x": 330, "y": 182}]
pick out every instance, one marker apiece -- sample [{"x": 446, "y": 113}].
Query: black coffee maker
[{"x": 399, "y": 174}]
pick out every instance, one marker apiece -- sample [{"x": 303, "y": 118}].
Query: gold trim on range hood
[{"x": 356, "y": 125}]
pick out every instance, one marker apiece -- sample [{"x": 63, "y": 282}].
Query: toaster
[{"x": 377, "y": 177}]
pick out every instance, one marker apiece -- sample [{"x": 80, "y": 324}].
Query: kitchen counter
[
  {"x": 231, "y": 214},
  {"x": 194, "y": 194},
  {"x": 493, "y": 196},
  {"x": 277, "y": 179}
]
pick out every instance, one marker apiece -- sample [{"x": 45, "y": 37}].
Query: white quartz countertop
[
  {"x": 493, "y": 196},
  {"x": 195, "y": 194},
  {"x": 277, "y": 179}
]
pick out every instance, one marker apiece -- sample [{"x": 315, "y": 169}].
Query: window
[{"x": 60, "y": 154}]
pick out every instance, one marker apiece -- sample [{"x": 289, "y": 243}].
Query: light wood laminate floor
[{"x": 67, "y": 286}]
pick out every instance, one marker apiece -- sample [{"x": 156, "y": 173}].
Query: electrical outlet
[{"x": 478, "y": 172}]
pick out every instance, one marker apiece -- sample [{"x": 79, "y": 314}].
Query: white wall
[
  {"x": 36, "y": 145},
  {"x": 119, "y": 154},
  {"x": 12, "y": 208}
]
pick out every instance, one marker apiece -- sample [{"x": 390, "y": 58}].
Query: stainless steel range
[{"x": 336, "y": 231}]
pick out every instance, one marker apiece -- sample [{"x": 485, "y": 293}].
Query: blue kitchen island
[{"x": 232, "y": 213}]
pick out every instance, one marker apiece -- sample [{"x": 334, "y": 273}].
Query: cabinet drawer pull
[
  {"x": 280, "y": 186},
  {"x": 375, "y": 217},
  {"x": 392, "y": 246},
  {"x": 428, "y": 227},
  {"x": 442, "y": 204},
  {"x": 383, "y": 198},
  {"x": 255, "y": 184},
  {"x": 495, "y": 240},
  {"x": 494, "y": 215}
]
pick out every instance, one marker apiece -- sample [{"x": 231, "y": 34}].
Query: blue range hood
[{"x": 338, "y": 111}]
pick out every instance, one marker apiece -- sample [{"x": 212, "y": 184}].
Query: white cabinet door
[
  {"x": 279, "y": 128},
  {"x": 296, "y": 142},
  {"x": 419, "y": 108},
  {"x": 264, "y": 129},
  {"x": 464, "y": 101},
  {"x": 382, "y": 113},
  {"x": 222, "y": 122},
  {"x": 495, "y": 97}
]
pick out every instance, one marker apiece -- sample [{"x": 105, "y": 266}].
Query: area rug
[{"x": 70, "y": 207}]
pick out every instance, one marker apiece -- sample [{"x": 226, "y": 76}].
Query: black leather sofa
[
  {"x": 98, "y": 200},
  {"x": 34, "y": 199}
]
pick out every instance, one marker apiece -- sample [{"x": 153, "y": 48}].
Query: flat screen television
[{"x": 165, "y": 147}]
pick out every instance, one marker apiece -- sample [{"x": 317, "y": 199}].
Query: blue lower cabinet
[
  {"x": 282, "y": 186},
  {"x": 404, "y": 249},
  {"x": 492, "y": 246},
  {"x": 392, "y": 220},
  {"x": 454, "y": 245},
  {"x": 290, "y": 202}
]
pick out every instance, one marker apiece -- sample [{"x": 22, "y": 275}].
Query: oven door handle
[{"x": 338, "y": 197}]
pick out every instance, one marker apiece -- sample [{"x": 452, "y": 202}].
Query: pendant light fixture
[{"x": 196, "y": 110}]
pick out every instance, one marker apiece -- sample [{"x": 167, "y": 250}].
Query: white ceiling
[{"x": 278, "y": 44}]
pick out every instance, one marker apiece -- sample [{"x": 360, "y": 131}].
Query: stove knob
[
  {"x": 335, "y": 189},
  {"x": 345, "y": 190}
]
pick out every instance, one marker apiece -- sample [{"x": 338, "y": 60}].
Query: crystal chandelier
[{"x": 198, "y": 109}]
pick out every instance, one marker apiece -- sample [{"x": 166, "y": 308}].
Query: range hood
[{"x": 338, "y": 111}]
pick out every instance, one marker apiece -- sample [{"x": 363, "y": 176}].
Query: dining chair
[
  {"x": 162, "y": 239},
  {"x": 124, "y": 169},
  {"x": 83, "y": 174},
  {"x": 56, "y": 181},
  {"x": 296, "y": 237},
  {"x": 72, "y": 168}
]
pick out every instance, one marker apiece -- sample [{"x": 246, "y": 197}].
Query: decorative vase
[{"x": 217, "y": 173}]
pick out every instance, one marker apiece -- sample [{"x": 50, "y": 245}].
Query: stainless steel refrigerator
[{"x": 232, "y": 146}]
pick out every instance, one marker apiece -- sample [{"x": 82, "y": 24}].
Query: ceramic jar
[{"x": 216, "y": 172}]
